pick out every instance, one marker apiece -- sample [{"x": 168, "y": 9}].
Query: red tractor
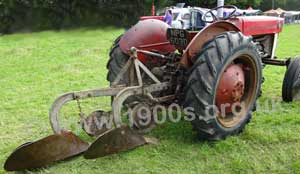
[
  {"x": 213, "y": 69},
  {"x": 215, "y": 72}
]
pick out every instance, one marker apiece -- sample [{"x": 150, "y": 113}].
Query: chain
[{"x": 81, "y": 114}]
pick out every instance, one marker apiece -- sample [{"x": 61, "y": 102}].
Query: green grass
[{"x": 37, "y": 67}]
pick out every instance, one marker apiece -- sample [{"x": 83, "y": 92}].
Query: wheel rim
[
  {"x": 236, "y": 91},
  {"x": 143, "y": 121}
]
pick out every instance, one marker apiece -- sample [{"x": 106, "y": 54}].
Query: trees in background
[
  {"x": 208, "y": 3},
  {"x": 31, "y": 15},
  {"x": 284, "y": 4},
  {"x": 56, "y": 14}
]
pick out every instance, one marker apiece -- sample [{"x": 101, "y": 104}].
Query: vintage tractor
[{"x": 215, "y": 72}]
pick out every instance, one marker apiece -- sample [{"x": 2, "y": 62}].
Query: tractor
[{"x": 216, "y": 72}]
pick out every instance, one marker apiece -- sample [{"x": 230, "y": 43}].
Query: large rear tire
[
  {"x": 202, "y": 90},
  {"x": 117, "y": 60}
]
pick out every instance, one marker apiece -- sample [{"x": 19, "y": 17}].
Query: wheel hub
[
  {"x": 231, "y": 87},
  {"x": 142, "y": 118}
]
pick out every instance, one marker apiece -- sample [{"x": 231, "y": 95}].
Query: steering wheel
[{"x": 216, "y": 18}]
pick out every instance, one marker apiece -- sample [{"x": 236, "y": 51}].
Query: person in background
[{"x": 168, "y": 17}]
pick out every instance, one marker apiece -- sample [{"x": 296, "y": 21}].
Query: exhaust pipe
[{"x": 220, "y": 10}]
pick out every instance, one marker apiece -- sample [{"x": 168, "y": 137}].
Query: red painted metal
[
  {"x": 248, "y": 25},
  {"x": 202, "y": 37},
  {"x": 258, "y": 25},
  {"x": 148, "y": 35},
  {"x": 231, "y": 86},
  {"x": 161, "y": 18}
]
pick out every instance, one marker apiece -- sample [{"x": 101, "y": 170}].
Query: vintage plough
[{"x": 112, "y": 138}]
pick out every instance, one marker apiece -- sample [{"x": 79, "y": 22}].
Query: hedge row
[{"x": 16, "y": 15}]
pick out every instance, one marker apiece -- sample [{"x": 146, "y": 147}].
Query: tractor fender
[
  {"x": 202, "y": 37},
  {"x": 150, "y": 35}
]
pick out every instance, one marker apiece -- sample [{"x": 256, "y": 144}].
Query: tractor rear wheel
[
  {"x": 117, "y": 60},
  {"x": 223, "y": 85}
]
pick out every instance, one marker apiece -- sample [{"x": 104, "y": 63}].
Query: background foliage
[
  {"x": 16, "y": 15},
  {"x": 285, "y": 4},
  {"x": 45, "y": 14}
]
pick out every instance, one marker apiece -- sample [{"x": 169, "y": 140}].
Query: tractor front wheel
[
  {"x": 291, "y": 82},
  {"x": 223, "y": 85}
]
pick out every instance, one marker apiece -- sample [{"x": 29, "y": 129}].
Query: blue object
[{"x": 168, "y": 19}]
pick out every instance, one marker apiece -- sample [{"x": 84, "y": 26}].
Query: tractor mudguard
[
  {"x": 202, "y": 37},
  {"x": 150, "y": 35}
]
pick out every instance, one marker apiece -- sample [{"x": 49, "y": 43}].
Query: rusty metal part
[
  {"x": 142, "y": 118},
  {"x": 65, "y": 98},
  {"x": 120, "y": 93},
  {"x": 97, "y": 123},
  {"x": 131, "y": 91},
  {"x": 139, "y": 65},
  {"x": 284, "y": 62},
  {"x": 166, "y": 98},
  {"x": 149, "y": 53},
  {"x": 114, "y": 141},
  {"x": 45, "y": 151},
  {"x": 151, "y": 140},
  {"x": 208, "y": 33},
  {"x": 231, "y": 86}
]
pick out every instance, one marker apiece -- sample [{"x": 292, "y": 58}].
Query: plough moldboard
[{"x": 112, "y": 137}]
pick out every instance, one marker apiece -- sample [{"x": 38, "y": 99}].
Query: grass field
[{"x": 37, "y": 67}]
